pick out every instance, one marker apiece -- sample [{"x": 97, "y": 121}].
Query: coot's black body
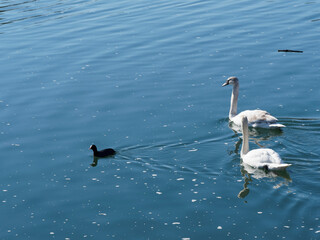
[{"x": 103, "y": 153}]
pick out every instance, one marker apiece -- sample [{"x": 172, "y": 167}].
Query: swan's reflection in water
[
  {"x": 260, "y": 134},
  {"x": 256, "y": 134},
  {"x": 248, "y": 172}
]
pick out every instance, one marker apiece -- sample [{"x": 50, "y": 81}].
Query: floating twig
[{"x": 287, "y": 50}]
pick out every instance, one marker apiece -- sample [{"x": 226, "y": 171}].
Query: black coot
[{"x": 103, "y": 153}]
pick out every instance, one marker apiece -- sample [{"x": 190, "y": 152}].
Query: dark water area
[{"x": 145, "y": 79}]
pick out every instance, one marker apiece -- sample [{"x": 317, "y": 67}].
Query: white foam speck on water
[{"x": 193, "y": 150}]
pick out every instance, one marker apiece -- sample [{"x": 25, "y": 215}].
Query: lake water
[{"x": 144, "y": 77}]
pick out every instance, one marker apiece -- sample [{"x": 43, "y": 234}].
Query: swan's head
[
  {"x": 231, "y": 80},
  {"x": 93, "y": 147}
]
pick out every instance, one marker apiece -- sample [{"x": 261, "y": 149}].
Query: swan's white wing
[
  {"x": 257, "y": 115},
  {"x": 259, "y": 158},
  {"x": 257, "y": 118}
]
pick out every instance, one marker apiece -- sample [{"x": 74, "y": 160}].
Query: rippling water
[{"x": 145, "y": 78}]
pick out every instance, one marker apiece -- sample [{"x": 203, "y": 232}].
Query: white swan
[
  {"x": 256, "y": 118},
  {"x": 264, "y": 158}
]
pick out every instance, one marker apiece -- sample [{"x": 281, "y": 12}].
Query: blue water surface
[{"x": 144, "y": 77}]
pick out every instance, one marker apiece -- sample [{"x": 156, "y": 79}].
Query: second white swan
[
  {"x": 256, "y": 118},
  {"x": 264, "y": 158}
]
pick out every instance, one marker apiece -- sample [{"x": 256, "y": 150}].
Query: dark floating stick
[{"x": 287, "y": 50}]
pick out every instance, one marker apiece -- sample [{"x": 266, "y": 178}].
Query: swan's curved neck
[
  {"x": 234, "y": 100},
  {"x": 245, "y": 140}
]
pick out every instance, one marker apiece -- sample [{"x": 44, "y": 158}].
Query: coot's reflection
[{"x": 94, "y": 162}]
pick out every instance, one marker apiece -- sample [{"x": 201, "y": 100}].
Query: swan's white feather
[
  {"x": 260, "y": 158},
  {"x": 256, "y": 118}
]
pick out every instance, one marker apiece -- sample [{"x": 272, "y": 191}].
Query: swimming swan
[
  {"x": 256, "y": 118},
  {"x": 264, "y": 158}
]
